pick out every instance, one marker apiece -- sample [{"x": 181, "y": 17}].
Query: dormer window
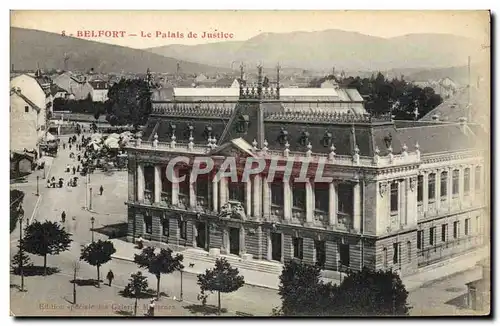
[
  {"x": 327, "y": 139},
  {"x": 208, "y": 132},
  {"x": 189, "y": 131},
  {"x": 388, "y": 140},
  {"x": 304, "y": 138},
  {"x": 283, "y": 137},
  {"x": 242, "y": 124},
  {"x": 172, "y": 129}
]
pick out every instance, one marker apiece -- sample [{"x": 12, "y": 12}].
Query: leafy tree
[
  {"x": 361, "y": 293},
  {"x": 137, "y": 285},
  {"x": 222, "y": 279},
  {"x": 371, "y": 293},
  {"x": 16, "y": 201},
  {"x": 20, "y": 257},
  {"x": 129, "y": 102},
  {"x": 47, "y": 238},
  {"x": 162, "y": 263},
  {"x": 98, "y": 253}
]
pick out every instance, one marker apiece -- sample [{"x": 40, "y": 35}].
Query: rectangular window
[
  {"x": 148, "y": 221},
  {"x": 395, "y": 256},
  {"x": 298, "y": 248},
  {"x": 455, "y": 184},
  {"x": 183, "y": 230},
  {"x": 165, "y": 227},
  {"x": 466, "y": 180},
  {"x": 444, "y": 232},
  {"x": 202, "y": 186},
  {"x": 431, "y": 186},
  {"x": 321, "y": 196},
  {"x": 455, "y": 230},
  {"x": 420, "y": 188},
  {"x": 444, "y": 184},
  {"x": 166, "y": 183},
  {"x": 237, "y": 191},
  {"x": 477, "y": 177},
  {"x": 420, "y": 237},
  {"x": 26, "y": 109},
  {"x": 344, "y": 255},
  {"x": 394, "y": 197},
  {"x": 149, "y": 178},
  {"x": 432, "y": 235},
  {"x": 299, "y": 195},
  {"x": 184, "y": 185},
  {"x": 320, "y": 251},
  {"x": 345, "y": 198},
  {"x": 467, "y": 226},
  {"x": 277, "y": 194}
]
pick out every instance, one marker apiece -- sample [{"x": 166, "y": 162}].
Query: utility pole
[
  {"x": 21, "y": 271},
  {"x": 90, "y": 199}
]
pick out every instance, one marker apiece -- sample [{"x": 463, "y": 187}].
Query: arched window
[
  {"x": 408, "y": 250},
  {"x": 384, "y": 257}
]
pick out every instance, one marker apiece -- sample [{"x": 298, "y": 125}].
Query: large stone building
[{"x": 404, "y": 194}]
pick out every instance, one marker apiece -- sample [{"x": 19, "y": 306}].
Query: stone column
[
  {"x": 195, "y": 234},
  {"x": 402, "y": 196},
  {"x": 225, "y": 240},
  {"x": 266, "y": 199},
  {"x": 158, "y": 185},
  {"x": 257, "y": 195},
  {"x": 175, "y": 187},
  {"x": 449, "y": 188},
  {"x": 192, "y": 193},
  {"x": 248, "y": 197},
  {"x": 243, "y": 249},
  {"x": 357, "y": 206},
  {"x": 309, "y": 201},
  {"x": 140, "y": 182},
  {"x": 438, "y": 189},
  {"x": 287, "y": 200},
  {"x": 332, "y": 204},
  {"x": 222, "y": 192},
  {"x": 215, "y": 195},
  {"x": 425, "y": 192},
  {"x": 269, "y": 245},
  {"x": 472, "y": 188}
]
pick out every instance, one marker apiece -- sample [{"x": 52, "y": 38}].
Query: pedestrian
[
  {"x": 110, "y": 277},
  {"x": 151, "y": 309},
  {"x": 63, "y": 216},
  {"x": 70, "y": 146},
  {"x": 101, "y": 189},
  {"x": 74, "y": 170},
  {"x": 64, "y": 145}
]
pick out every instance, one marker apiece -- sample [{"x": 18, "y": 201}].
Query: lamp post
[
  {"x": 92, "y": 220},
  {"x": 90, "y": 199},
  {"x": 181, "y": 270},
  {"x": 37, "y": 187},
  {"x": 21, "y": 217}
]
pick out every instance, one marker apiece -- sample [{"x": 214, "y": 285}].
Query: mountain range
[
  {"x": 31, "y": 48},
  {"x": 324, "y": 50}
]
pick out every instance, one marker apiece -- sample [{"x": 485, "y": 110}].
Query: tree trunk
[
  {"x": 44, "y": 265},
  {"x": 135, "y": 306},
  {"x": 98, "y": 278},
  {"x": 158, "y": 287},
  {"x": 218, "y": 294}
]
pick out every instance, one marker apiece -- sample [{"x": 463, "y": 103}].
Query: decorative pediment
[{"x": 235, "y": 148}]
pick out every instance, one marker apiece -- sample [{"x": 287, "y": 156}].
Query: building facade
[
  {"x": 403, "y": 194},
  {"x": 28, "y": 113}
]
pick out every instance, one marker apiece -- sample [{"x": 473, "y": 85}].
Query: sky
[{"x": 131, "y": 28}]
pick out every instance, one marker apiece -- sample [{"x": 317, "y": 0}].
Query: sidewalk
[
  {"x": 431, "y": 273},
  {"x": 127, "y": 250}
]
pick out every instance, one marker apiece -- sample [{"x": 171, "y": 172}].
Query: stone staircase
[{"x": 195, "y": 255}]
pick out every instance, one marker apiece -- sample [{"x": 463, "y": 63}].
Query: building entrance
[
  {"x": 201, "y": 237},
  {"x": 276, "y": 246},
  {"x": 234, "y": 241}
]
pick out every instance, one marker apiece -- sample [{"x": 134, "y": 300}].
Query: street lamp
[
  {"x": 90, "y": 199},
  {"x": 37, "y": 187},
  {"x": 181, "y": 270},
  {"x": 21, "y": 217},
  {"x": 92, "y": 220}
]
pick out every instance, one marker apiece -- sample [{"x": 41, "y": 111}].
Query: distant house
[
  {"x": 74, "y": 84},
  {"x": 21, "y": 163},
  {"x": 445, "y": 87},
  {"x": 200, "y": 78},
  {"x": 98, "y": 90},
  {"x": 28, "y": 113},
  {"x": 329, "y": 83},
  {"x": 58, "y": 92},
  {"x": 227, "y": 82}
]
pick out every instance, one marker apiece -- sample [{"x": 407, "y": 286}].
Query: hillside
[
  {"x": 325, "y": 49},
  {"x": 31, "y": 47}
]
